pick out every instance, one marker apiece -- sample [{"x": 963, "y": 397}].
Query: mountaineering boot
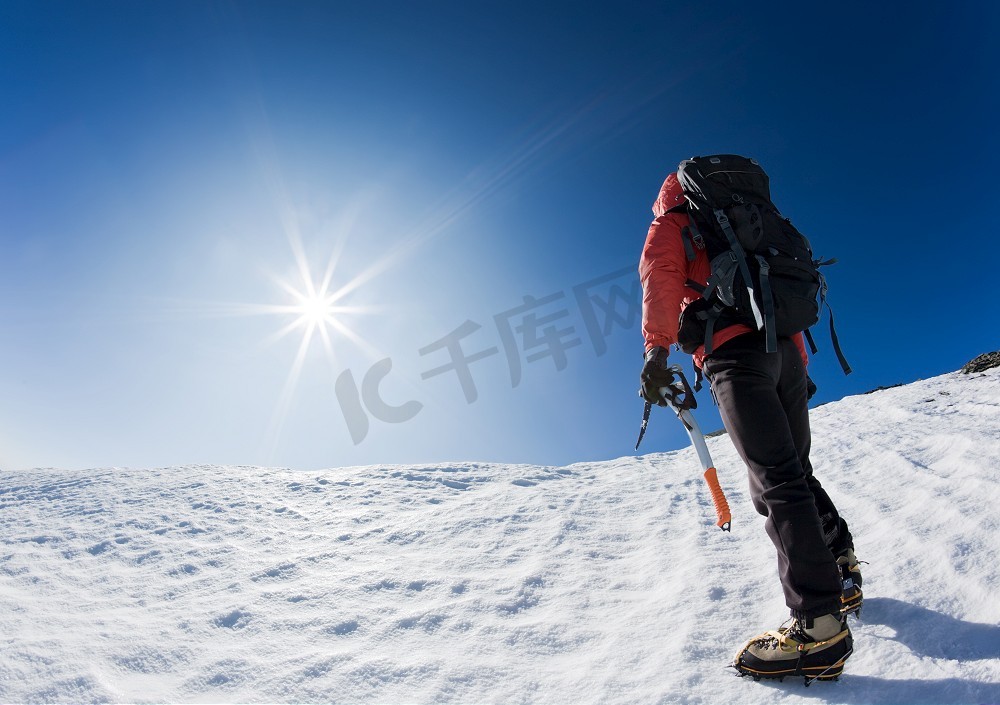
[
  {"x": 815, "y": 648},
  {"x": 851, "y": 599}
]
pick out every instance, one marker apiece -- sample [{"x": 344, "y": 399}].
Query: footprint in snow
[
  {"x": 99, "y": 548},
  {"x": 455, "y": 485},
  {"x": 428, "y": 622},
  {"x": 278, "y": 572},
  {"x": 237, "y": 619},
  {"x": 386, "y": 584},
  {"x": 344, "y": 628}
]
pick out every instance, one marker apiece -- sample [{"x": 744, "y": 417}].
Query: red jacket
[{"x": 664, "y": 269}]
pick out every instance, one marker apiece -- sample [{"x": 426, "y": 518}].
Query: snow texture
[{"x": 594, "y": 583}]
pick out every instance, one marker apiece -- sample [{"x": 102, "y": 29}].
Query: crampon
[{"x": 794, "y": 651}]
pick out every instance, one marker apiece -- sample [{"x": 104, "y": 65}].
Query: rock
[
  {"x": 880, "y": 389},
  {"x": 982, "y": 363}
]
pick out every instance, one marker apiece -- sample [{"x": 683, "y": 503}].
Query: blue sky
[{"x": 168, "y": 170}]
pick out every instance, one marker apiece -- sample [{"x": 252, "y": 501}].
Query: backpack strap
[
  {"x": 688, "y": 244},
  {"x": 710, "y": 316},
  {"x": 809, "y": 339},
  {"x": 692, "y": 284},
  {"x": 690, "y": 234},
  {"x": 770, "y": 326},
  {"x": 744, "y": 270},
  {"x": 844, "y": 365},
  {"x": 699, "y": 239}
]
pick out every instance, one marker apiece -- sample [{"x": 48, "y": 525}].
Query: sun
[
  {"x": 315, "y": 309},
  {"x": 312, "y": 309}
]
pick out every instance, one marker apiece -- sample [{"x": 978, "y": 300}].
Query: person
[{"x": 762, "y": 398}]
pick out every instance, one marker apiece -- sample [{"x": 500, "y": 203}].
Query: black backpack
[{"x": 762, "y": 269}]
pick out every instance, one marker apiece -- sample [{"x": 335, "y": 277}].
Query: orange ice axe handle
[
  {"x": 711, "y": 476},
  {"x": 723, "y": 516}
]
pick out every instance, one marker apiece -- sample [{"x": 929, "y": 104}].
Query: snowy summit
[{"x": 473, "y": 582}]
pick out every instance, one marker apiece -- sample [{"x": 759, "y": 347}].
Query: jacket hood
[{"x": 671, "y": 195}]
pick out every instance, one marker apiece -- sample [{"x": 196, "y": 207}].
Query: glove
[
  {"x": 810, "y": 388},
  {"x": 655, "y": 374}
]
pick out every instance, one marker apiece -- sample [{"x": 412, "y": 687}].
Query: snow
[{"x": 601, "y": 582}]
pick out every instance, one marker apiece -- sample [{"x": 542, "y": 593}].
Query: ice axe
[{"x": 681, "y": 399}]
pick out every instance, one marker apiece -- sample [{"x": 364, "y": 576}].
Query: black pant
[{"x": 762, "y": 399}]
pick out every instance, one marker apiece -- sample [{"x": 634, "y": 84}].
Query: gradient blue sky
[{"x": 165, "y": 166}]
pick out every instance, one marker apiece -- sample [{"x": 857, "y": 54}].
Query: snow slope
[{"x": 594, "y": 583}]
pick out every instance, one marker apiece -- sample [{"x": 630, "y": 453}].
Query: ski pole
[{"x": 681, "y": 399}]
